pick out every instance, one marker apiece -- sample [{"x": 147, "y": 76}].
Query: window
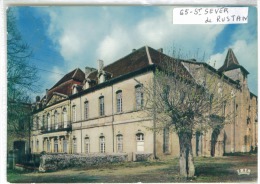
[
  {"x": 48, "y": 145},
  {"x": 43, "y": 145},
  {"x": 43, "y": 121},
  {"x": 36, "y": 123},
  {"x": 74, "y": 113},
  {"x": 139, "y": 97},
  {"x": 49, "y": 121},
  {"x": 140, "y": 137},
  {"x": 56, "y": 145},
  {"x": 37, "y": 145},
  {"x": 119, "y": 143},
  {"x": 64, "y": 145},
  {"x": 56, "y": 120},
  {"x": 86, "y": 110},
  {"x": 74, "y": 90},
  {"x": 140, "y": 142},
  {"x": 101, "y": 106},
  {"x": 166, "y": 134},
  {"x": 119, "y": 101},
  {"x": 65, "y": 118},
  {"x": 74, "y": 145},
  {"x": 102, "y": 144},
  {"x": 87, "y": 145}
]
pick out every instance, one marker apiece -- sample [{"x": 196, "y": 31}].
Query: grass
[{"x": 221, "y": 169}]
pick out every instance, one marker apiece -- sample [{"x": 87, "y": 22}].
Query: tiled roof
[
  {"x": 77, "y": 75},
  {"x": 231, "y": 63},
  {"x": 136, "y": 60},
  {"x": 64, "y": 85}
]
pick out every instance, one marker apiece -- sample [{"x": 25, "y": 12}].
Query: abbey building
[{"x": 101, "y": 110}]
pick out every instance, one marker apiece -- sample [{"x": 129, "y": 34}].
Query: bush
[{"x": 53, "y": 162}]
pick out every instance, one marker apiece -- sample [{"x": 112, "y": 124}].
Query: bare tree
[
  {"x": 187, "y": 98},
  {"x": 21, "y": 78},
  {"x": 21, "y": 75}
]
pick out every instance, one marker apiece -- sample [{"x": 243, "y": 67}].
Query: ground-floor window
[
  {"x": 43, "y": 148},
  {"x": 102, "y": 144},
  {"x": 32, "y": 146},
  {"x": 119, "y": 143},
  {"x": 166, "y": 135},
  {"x": 37, "y": 145},
  {"x": 48, "y": 145},
  {"x": 65, "y": 145},
  {"x": 87, "y": 145},
  {"x": 56, "y": 145},
  {"x": 74, "y": 145}
]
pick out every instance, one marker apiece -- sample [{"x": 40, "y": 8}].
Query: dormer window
[
  {"x": 87, "y": 84},
  {"x": 74, "y": 90},
  {"x": 102, "y": 78}
]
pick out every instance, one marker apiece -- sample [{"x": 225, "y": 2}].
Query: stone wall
[{"x": 54, "y": 162}]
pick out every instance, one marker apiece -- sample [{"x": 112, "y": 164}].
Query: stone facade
[{"x": 100, "y": 111}]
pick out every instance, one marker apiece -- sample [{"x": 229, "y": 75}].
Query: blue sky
[{"x": 65, "y": 38}]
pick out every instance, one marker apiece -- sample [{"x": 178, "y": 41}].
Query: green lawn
[{"x": 221, "y": 169}]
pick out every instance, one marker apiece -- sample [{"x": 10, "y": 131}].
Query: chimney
[
  {"x": 160, "y": 50},
  {"x": 133, "y": 50},
  {"x": 100, "y": 65}
]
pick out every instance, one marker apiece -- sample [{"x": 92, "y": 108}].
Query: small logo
[{"x": 243, "y": 171}]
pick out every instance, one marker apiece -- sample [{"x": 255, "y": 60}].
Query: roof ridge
[
  {"x": 148, "y": 55},
  {"x": 75, "y": 73}
]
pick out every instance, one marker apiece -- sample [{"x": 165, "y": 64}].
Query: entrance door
[
  {"x": 20, "y": 147},
  {"x": 140, "y": 142}
]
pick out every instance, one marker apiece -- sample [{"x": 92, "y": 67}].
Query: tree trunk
[{"x": 187, "y": 168}]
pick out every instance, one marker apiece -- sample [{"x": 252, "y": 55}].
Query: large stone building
[{"x": 100, "y": 110}]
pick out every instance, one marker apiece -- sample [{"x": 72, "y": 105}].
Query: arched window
[
  {"x": 74, "y": 145},
  {"x": 102, "y": 144},
  {"x": 49, "y": 121},
  {"x": 74, "y": 90},
  {"x": 37, "y": 145},
  {"x": 48, "y": 145},
  {"x": 65, "y": 145},
  {"x": 74, "y": 117},
  {"x": 166, "y": 134},
  {"x": 140, "y": 137},
  {"x": 140, "y": 142},
  {"x": 56, "y": 125},
  {"x": 87, "y": 145},
  {"x": 86, "y": 110},
  {"x": 101, "y": 106},
  {"x": 139, "y": 96},
  {"x": 36, "y": 123},
  {"x": 65, "y": 118},
  {"x": 119, "y": 139},
  {"x": 32, "y": 149},
  {"x": 56, "y": 145},
  {"x": 119, "y": 101},
  {"x": 43, "y": 122}
]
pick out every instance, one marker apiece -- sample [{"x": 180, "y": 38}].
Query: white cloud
[
  {"x": 82, "y": 37},
  {"x": 85, "y": 34}
]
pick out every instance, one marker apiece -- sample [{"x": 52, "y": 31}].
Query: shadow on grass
[{"x": 14, "y": 176}]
